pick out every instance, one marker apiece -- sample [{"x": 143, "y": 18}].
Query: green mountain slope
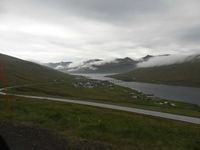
[
  {"x": 14, "y": 71},
  {"x": 187, "y": 74}
]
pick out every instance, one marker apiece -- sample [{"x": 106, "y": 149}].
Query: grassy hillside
[
  {"x": 186, "y": 74},
  {"x": 15, "y": 71},
  {"x": 124, "y": 131},
  {"x": 106, "y": 93}
]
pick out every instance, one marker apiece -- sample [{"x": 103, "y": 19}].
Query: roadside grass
[
  {"x": 126, "y": 131},
  {"x": 111, "y": 94}
]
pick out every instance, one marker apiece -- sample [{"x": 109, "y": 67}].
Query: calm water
[{"x": 178, "y": 93}]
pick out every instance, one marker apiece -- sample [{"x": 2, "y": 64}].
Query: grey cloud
[
  {"x": 109, "y": 28},
  {"x": 115, "y": 9},
  {"x": 1, "y": 7},
  {"x": 109, "y": 10},
  {"x": 190, "y": 35}
]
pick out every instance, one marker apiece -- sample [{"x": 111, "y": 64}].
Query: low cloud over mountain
[
  {"x": 167, "y": 60},
  {"x": 121, "y": 65}
]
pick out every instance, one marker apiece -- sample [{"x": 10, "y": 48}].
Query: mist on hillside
[
  {"x": 90, "y": 64},
  {"x": 166, "y": 60}
]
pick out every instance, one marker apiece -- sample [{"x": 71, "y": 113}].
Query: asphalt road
[{"x": 114, "y": 107}]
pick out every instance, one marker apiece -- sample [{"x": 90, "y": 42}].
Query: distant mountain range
[
  {"x": 100, "y": 66},
  {"x": 119, "y": 65}
]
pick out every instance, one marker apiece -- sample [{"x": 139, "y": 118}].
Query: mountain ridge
[
  {"x": 15, "y": 71},
  {"x": 117, "y": 65},
  {"x": 185, "y": 73}
]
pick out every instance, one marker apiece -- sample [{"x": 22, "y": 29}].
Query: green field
[
  {"x": 185, "y": 74},
  {"x": 109, "y": 93},
  {"x": 124, "y": 131}
]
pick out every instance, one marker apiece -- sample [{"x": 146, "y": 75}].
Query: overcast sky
[{"x": 70, "y": 30}]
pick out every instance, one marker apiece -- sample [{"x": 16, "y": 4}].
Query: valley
[
  {"x": 99, "y": 75},
  {"x": 34, "y": 90}
]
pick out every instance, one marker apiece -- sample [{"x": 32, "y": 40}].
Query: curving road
[{"x": 114, "y": 107}]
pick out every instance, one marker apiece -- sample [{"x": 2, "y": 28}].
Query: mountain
[
  {"x": 14, "y": 71},
  {"x": 119, "y": 65},
  {"x": 84, "y": 67},
  {"x": 147, "y": 57},
  {"x": 59, "y": 65},
  {"x": 114, "y": 66},
  {"x": 92, "y": 61},
  {"x": 185, "y": 73}
]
